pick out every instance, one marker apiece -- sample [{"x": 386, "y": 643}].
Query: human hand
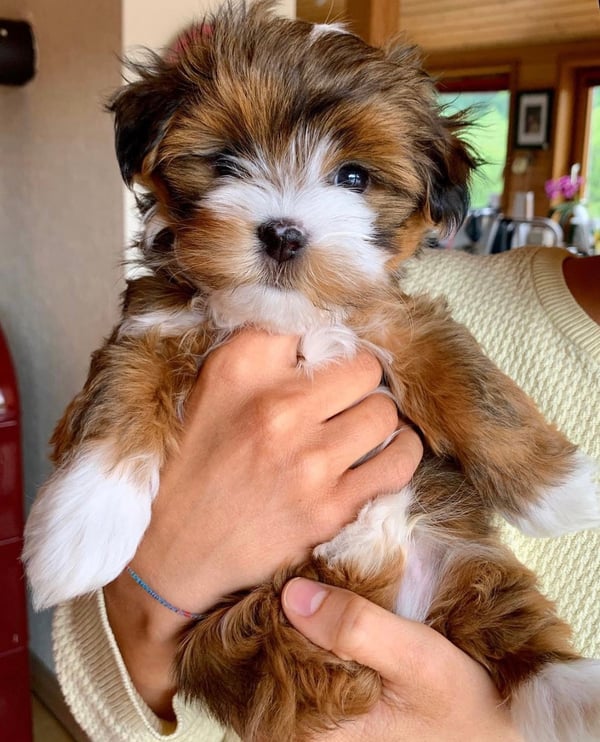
[
  {"x": 432, "y": 691},
  {"x": 263, "y": 474}
]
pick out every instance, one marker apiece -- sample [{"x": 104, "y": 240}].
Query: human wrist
[
  {"x": 148, "y": 636},
  {"x": 190, "y": 615},
  {"x": 146, "y": 619},
  {"x": 187, "y": 580}
]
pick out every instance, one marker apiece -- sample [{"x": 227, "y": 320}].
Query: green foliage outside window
[{"x": 592, "y": 186}]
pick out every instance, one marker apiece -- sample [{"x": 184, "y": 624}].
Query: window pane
[
  {"x": 489, "y": 138},
  {"x": 592, "y": 186}
]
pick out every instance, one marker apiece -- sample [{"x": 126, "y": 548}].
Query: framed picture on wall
[{"x": 534, "y": 113}]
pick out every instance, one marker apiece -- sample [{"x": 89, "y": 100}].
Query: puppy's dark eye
[
  {"x": 225, "y": 165},
  {"x": 353, "y": 177}
]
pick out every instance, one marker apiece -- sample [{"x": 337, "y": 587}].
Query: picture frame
[{"x": 534, "y": 119}]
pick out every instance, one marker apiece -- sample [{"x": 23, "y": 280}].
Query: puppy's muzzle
[{"x": 282, "y": 240}]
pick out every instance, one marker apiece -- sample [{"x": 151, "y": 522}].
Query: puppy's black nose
[{"x": 281, "y": 239}]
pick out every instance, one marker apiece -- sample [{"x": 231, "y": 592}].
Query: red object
[{"x": 15, "y": 699}]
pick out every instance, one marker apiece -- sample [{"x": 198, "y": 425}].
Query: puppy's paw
[
  {"x": 87, "y": 522},
  {"x": 561, "y": 703},
  {"x": 254, "y": 672},
  {"x": 322, "y": 344},
  {"x": 573, "y": 505}
]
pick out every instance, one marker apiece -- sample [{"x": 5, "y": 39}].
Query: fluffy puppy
[{"x": 290, "y": 170}]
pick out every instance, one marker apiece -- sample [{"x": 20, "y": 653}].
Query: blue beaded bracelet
[{"x": 162, "y": 601}]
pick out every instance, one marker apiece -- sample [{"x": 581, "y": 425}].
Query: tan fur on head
[{"x": 267, "y": 102}]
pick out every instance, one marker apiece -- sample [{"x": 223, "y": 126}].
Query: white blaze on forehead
[
  {"x": 319, "y": 29},
  {"x": 338, "y": 222}
]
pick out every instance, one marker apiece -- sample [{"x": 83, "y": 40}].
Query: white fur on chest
[
  {"x": 323, "y": 333},
  {"x": 324, "y": 336}
]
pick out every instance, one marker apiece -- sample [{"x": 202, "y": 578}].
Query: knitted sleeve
[{"x": 99, "y": 692}]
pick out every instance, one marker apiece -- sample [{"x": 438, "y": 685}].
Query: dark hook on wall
[{"x": 17, "y": 52}]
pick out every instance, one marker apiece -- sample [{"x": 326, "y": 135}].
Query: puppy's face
[{"x": 290, "y": 156}]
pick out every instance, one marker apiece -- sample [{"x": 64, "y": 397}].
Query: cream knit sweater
[{"x": 517, "y": 305}]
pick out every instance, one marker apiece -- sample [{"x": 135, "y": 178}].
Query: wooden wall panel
[
  {"x": 439, "y": 25},
  {"x": 465, "y": 24},
  {"x": 374, "y": 20},
  {"x": 380, "y": 21}
]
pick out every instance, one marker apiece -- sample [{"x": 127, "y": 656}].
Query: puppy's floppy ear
[
  {"x": 445, "y": 162},
  {"x": 143, "y": 110},
  {"x": 448, "y": 180}
]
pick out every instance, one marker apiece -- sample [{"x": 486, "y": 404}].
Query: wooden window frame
[
  {"x": 585, "y": 79},
  {"x": 377, "y": 21},
  {"x": 474, "y": 82},
  {"x": 485, "y": 80},
  {"x": 576, "y": 76}
]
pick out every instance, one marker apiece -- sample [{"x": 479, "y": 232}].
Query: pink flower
[{"x": 565, "y": 187}]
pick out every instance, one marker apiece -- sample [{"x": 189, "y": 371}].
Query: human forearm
[
  {"x": 147, "y": 633},
  {"x": 147, "y": 636},
  {"x": 98, "y": 688}
]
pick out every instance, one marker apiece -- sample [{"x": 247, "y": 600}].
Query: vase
[{"x": 574, "y": 219}]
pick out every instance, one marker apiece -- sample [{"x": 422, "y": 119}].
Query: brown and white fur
[{"x": 290, "y": 169}]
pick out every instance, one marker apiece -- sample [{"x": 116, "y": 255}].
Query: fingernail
[{"x": 304, "y": 597}]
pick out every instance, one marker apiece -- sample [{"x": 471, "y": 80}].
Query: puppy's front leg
[
  {"x": 470, "y": 411},
  {"x": 109, "y": 447}
]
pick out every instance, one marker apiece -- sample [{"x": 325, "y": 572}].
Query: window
[
  {"x": 592, "y": 165},
  {"x": 489, "y": 100},
  {"x": 586, "y": 136}
]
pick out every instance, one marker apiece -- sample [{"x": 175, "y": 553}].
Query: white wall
[
  {"x": 156, "y": 28},
  {"x": 153, "y": 23}
]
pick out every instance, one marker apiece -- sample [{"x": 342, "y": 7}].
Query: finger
[
  {"x": 355, "y": 629},
  {"x": 250, "y": 360},
  {"x": 342, "y": 383},
  {"x": 358, "y": 430},
  {"x": 263, "y": 348},
  {"x": 388, "y": 471}
]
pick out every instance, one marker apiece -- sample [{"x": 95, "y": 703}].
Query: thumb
[{"x": 353, "y": 628}]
